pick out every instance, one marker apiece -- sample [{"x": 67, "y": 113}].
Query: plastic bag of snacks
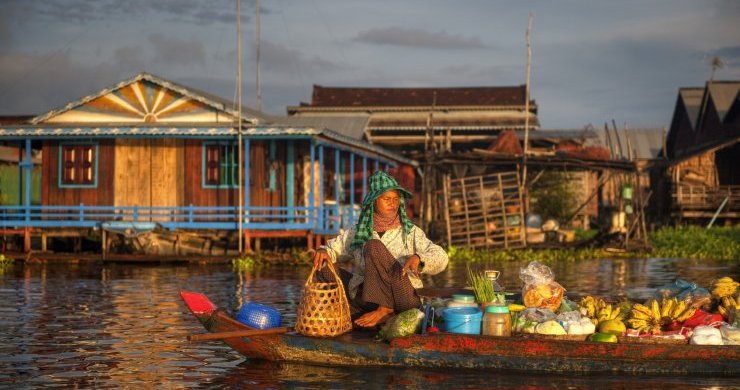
[{"x": 540, "y": 288}]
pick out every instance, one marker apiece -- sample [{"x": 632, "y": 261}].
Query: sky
[{"x": 593, "y": 61}]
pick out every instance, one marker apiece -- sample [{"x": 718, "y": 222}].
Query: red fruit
[{"x": 432, "y": 329}]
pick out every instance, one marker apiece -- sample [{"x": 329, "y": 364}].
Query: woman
[{"x": 389, "y": 254}]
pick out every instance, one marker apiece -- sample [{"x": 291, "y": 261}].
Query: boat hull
[{"x": 446, "y": 350}]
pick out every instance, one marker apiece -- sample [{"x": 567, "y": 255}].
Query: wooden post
[
  {"x": 446, "y": 189},
  {"x": 27, "y": 240},
  {"x": 103, "y": 243}
]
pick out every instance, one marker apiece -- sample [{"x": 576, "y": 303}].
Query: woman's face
[{"x": 387, "y": 203}]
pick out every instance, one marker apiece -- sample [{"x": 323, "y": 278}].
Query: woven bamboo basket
[{"x": 324, "y": 309}]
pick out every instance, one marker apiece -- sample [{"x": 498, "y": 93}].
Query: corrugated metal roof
[
  {"x": 646, "y": 144},
  {"x": 455, "y": 96},
  {"x": 352, "y": 126},
  {"x": 691, "y": 97},
  {"x": 41, "y": 132},
  {"x": 724, "y": 94}
]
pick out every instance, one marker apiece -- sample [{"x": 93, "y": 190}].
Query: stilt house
[{"x": 150, "y": 155}]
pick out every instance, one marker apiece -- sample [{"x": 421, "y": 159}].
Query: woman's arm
[
  {"x": 433, "y": 257},
  {"x": 340, "y": 245}
]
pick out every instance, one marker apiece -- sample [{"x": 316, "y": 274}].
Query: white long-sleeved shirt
[{"x": 432, "y": 255}]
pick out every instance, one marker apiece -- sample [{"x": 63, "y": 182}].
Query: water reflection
[{"x": 112, "y": 326}]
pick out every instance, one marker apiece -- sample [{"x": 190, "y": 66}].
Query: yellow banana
[
  {"x": 665, "y": 309},
  {"x": 655, "y": 309},
  {"x": 639, "y": 315},
  {"x": 615, "y": 313},
  {"x": 686, "y": 314},
  {"x": 678, "y": 309},
  {"x": 642, "y": 309}
]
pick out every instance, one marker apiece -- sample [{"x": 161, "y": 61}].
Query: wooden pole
[
  {"x": 446, "y": 189},
  {"x": 526, "y": 110}
]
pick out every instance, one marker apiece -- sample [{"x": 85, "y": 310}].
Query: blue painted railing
[{"x": 328, "y": 219}]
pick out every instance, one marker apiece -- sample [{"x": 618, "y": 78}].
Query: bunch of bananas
[
  {"x": 597, "y": 310},
  {"x": 724, "y": 287},
  {"x": 591, "y": 307},
  {"x": 652, "y": 317},
  {"x": 725, "y": 303}
]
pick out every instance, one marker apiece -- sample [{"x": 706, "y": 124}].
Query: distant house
[
  {"x": 703, "y": 147},
  {"x": 148, "y": 153},
  {"x": 400, "y": 119}
]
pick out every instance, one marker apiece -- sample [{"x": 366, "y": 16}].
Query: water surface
[{"x": 93, "y": 325}]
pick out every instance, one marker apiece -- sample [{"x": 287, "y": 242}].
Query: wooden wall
[
  {"x": 102, "y": 195},
  {"x": 194, "y": 193},
  {"x": 148, "y": 172}
]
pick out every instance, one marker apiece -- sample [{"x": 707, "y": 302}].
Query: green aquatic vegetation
[
  {"x": 6, "y": 260},
  {"x": 463, "y": 255},
  {"x": 694, "y": 242},
  {"x": 244, "y": 263}
]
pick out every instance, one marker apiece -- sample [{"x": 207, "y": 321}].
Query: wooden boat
[{"x": 359, "y": 348}]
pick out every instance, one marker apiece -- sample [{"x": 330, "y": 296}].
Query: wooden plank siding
[
  {"x": 194, "y": 192},
  {"x": 101, "y": 195},
  {"x": 147, "y": 173}
]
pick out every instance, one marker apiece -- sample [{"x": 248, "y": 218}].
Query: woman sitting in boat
[{"x": 389, "y": 254}]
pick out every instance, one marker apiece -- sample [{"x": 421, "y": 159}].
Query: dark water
[{"x": 89, "y": 325}]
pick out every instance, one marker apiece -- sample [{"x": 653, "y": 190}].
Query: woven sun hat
[{"x": 381, "y": 182}]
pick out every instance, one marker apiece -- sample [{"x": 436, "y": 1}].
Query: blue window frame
[
  {"x": 78, "y": 165},
  {"x": 221, "y": 165}
]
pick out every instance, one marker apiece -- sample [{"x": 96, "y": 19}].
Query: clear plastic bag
[{"x": 540, "y": 288}]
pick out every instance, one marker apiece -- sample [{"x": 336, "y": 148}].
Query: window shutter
[{"x": 212, "y": 164}]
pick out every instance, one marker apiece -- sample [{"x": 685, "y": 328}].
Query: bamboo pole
[
  {"x": 526, "y": 107},
  {"x": 446, "y": 189}
]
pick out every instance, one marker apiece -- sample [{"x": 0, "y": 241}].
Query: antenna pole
[
  {"x": 239, "y": 120},
  {"x": 526, "y": 109},
  {"x": 258, "y": 35}
]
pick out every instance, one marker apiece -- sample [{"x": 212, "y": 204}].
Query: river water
[{"x": 94, "y": 325}]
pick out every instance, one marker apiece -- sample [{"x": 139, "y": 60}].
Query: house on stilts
[
  {"x": 703, "y": 151},
  {"x": 155, "y": 165}
]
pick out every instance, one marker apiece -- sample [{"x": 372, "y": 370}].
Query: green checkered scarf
[{"x": 380, "y": 182}]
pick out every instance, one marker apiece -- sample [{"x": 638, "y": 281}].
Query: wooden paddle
[{"x": 236, "y": 333}]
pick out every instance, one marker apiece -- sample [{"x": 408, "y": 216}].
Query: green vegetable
[
  {"x": 483, "y": 288},
  {"x": 403, "y": 324}
]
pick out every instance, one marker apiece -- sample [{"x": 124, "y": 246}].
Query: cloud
[
  {"x": 174, "y": 51},
  {"x": 191, "y": 11},
  {"x": 399, "y": 36},
  {"x": 728, "y": 53}
]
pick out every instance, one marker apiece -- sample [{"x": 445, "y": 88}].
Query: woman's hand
[
  {"x": 412, "y": 265},
  {"x": 320, "y": 258}
]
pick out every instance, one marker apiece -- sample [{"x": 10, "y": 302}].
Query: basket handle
[{"x": 329, "y": 264}]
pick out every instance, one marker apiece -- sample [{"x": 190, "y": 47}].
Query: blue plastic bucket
[
  {"x": 465, "y": 320},
  {"x": 258, "y": 316}
]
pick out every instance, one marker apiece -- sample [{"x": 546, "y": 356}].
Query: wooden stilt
[
  {"x": 309, "y": 241},
  {"x": 27, "y": 240}
]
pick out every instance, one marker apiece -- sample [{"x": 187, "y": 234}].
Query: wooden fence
[
  {"x": 486, "y": 211},
  {"x": 704, "y": 201}
]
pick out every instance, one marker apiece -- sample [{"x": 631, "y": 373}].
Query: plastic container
[
  {"x": 258, "y": 316},
  {"x": 462, "y": 300},
  {"x": 627, "y": 192},
  {"x": 466, "y": 320},
  {"x": 496, "y": 321}
]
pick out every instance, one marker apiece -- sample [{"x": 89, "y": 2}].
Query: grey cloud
[
  {"x": 174, "y": 51},
  {"x": 726, "y": 53},
  {"x": 399, "y": 36},
  {"x": 192, "y": 11},
  {"x": 276, "y": 58}
]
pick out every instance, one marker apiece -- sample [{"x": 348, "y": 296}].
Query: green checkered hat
[{"x": 380, "y": 182}]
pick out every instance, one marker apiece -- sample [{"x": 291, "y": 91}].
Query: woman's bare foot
[{"x": 375, "y": 317}]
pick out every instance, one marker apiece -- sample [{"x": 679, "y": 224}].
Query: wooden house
[
  {"x": 411, "y": 120},
  {"x": 703, "y": 149},
  {"x": 149, "y": 155}
]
